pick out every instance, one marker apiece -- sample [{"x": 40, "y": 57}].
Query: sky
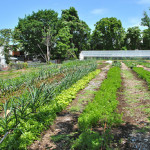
[{"x": 129, "y": 12}]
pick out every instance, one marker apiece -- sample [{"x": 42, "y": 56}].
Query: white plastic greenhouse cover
[{"x": 116, "y": 53}]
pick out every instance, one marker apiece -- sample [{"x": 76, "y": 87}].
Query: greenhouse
[{"x": 115, "y": 54}]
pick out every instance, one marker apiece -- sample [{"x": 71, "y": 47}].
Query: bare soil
[{"x": 65, "y": 127}]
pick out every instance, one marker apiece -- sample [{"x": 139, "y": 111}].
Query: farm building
[{"x": 115, "y": 54}]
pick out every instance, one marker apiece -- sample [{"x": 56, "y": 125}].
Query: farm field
[{"x": 87, "y": 105}]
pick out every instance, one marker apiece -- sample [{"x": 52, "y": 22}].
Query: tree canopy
[
  {"x": 45, "y": 34},
  {"x": 33, "y": 29},
  {"x": 79, "y": 30},
  {"x": 108, "y": 34},
  {"x": 145, "y": 21},
  {"x": 133, "y": 38}
]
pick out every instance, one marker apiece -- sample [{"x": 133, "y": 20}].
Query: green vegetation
[
  {"x": 91, "y": 140},
  {"x": 46, "y": 36},
  {"x": 108, "y": 34},
  {"x": 116, "y": 63},
  {"x": 144, "y": 74},
  {"x": 36, "y": 109},
  {"x": 103, "y": 111},
  {"x": 9, "y": 85},
  {"x": 104, "y": 105},
  {"x": 130, "y": 64},
  {"x": 133, "y": 38},
  {"x": 144, "y": 63}
]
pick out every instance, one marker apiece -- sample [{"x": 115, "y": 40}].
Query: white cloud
[
  {"x": 144, "y": 2},
  {"x": 98, "y": 11},
  {"x": 135, "y": 21}
]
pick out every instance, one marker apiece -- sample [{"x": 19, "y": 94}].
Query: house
[{"x": 2, "y": 58}]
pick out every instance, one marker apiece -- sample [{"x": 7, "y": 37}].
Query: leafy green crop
[
  {"x": 36, "y": 109},
  {"x": 144, "y": 74},
  {"x": 102, "y": 110},
  {"x": 116, "y": 63},
  {"x": 130, "y": 64},
  {"x": 104, "y": 105}
]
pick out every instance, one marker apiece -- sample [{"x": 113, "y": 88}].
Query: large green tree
[
  {"x": 108, "y": 34},
  {"x": 37, "y": 32},
  {"x": 133, "y": 38},
  {"x": 145, "y": 21},
  {"x": 5, "y": 39},
  {"x": 63, "y": 48},
  {"x": 146, "y": 39},
  {"x": 79, "y": 30}
]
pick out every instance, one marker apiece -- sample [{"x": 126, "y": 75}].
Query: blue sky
[{"x": 129, "y": 12}]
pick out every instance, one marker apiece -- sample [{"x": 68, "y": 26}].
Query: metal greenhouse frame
[{"x": 115, "y": 54}]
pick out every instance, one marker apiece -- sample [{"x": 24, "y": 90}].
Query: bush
[{"x": 18, "y": 65}]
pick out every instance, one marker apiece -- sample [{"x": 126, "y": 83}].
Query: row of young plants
[
  {"x": 9, "y": 85},
  {"x": 44, "y": 72},
  {"x": 143, "y": 63},
  {"x": 116, "y": 63},
  {"x": 103, "y": 112},
  {"x": 130, "y": 64},
  {"x": 144, "y": 74},
  {"x": 33, "y": 112}
]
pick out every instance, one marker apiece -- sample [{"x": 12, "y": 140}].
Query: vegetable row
[
  {"x": 44, "y": 72},
  {"x": 33, "y": 112},
  {"x": 144, "y": 74},
  {"x": 102, "y": 111}
]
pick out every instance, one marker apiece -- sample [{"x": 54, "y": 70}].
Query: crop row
[
  {"x": 116, "y": 63},
  {"x": 132, "y": 64},
  {"x": 32, "y": 112},
  {"x": 144, "y": 74},
  {"x": 45, "y": 72},
  {"x": 102, "y": 111},
  {"x": 143, "y": 63}
]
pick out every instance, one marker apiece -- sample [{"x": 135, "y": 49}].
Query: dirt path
[
  {"x": 65, "y": 128},
  {"x": 134, "y": 103}
]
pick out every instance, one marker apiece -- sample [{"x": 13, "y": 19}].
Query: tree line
[{"x": 44, "y": 34}]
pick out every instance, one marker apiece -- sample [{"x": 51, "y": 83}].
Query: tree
[
  {"x": 5, "y": 39},
  {"x": 108, "y": 34},
  {"x": 79, "y": 30},
  {"x": 146, "y": 39},
  {"x": 36, "y": 32},
  {"x": 133, "y": 38},
  {"x": 49, "y": 40},
  {"x": 63, "y": 43},
  {"x": 145, "y": 21},
  {"x": 5, "y": 36}
]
